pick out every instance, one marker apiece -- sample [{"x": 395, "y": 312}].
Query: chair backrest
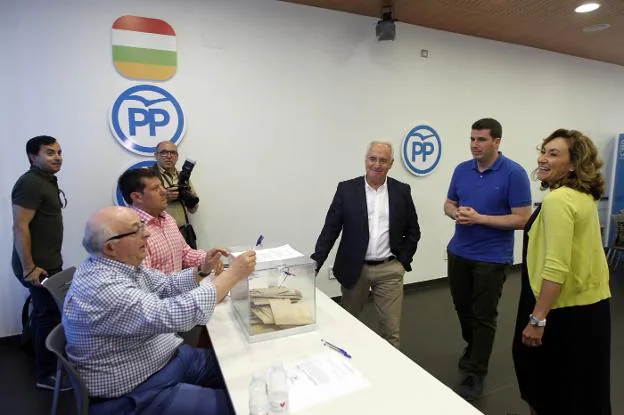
[
  {"x": 58, "y": 285},
  {"x": 55, "y": 342}
]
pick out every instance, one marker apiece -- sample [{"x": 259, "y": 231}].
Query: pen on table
[
  {"x": 336, "y": 348},
  {"x": 259, "y": 242}
]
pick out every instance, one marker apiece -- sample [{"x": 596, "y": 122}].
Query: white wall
[{"x": 281, "y": 101}]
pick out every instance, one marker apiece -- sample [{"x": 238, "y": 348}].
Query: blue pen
[
  {"x": 259, "y": 241},
  {"x": 336, "y": 348}
]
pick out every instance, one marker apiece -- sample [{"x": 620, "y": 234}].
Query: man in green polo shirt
[{"x": 38, "y": 236}]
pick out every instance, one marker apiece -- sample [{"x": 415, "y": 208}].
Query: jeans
[{"x": 190, "y": 384}]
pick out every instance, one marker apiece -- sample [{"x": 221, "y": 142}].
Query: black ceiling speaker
[{"x": 386, "y": 29}]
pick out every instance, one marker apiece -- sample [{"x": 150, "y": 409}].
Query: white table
[{"x": 398, "y": 385}]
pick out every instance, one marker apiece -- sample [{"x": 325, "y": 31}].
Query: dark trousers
[
  {"x": 190, "y": 384},
  {"x": 45, "y": 316},
  {"x": 476, "y": 288}
]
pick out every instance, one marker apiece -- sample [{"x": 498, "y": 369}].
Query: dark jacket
[{"x": 348, "y": 213}]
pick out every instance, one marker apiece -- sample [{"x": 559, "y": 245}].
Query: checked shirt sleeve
[
  {"x": 135, "y": 309},
  {"x": 170, "y": 285},
  {"x": 192, "y": 257}
]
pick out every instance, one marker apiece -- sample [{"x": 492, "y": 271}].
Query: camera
[{"x": 186, "y": 196}]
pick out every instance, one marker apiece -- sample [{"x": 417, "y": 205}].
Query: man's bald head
[
  {"x": 104, "y": 224},
  {"x": 166, "y": 145}
]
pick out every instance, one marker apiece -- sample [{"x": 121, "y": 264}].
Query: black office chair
[
  {"x": 58, "y": 285},
  {"x": 56, "y": 344}
]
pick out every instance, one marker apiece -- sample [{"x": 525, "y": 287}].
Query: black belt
[{"x": 380, "y": 261}]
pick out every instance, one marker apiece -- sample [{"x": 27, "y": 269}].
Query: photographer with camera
[{"x": 181, "y": 198}]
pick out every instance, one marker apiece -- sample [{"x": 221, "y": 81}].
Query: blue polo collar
[{"x": 497, "y": 164}]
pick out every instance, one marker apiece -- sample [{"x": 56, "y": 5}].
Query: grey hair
[
  {"x": 384, "y": 143},
  {"x": 95, "y": 236}
]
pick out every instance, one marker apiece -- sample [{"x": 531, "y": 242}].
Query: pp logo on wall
[
  {"x": 421, "y": 150},
  {"x": 144, "y": 48},
  {"x": 117, "y": 197},
  {"x": 144, "y": 115}
]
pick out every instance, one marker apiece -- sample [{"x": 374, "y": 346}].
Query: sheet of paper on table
[
  {"x": 322, "y": 378},
  {"x": 274, "y": 254}
]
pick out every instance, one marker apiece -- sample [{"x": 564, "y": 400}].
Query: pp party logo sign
[
  {"x": 144, "y": 48},
  {"x": 421, "y": 150},
  {"x": 144, "y": 115}
]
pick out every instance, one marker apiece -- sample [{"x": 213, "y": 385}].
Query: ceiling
[{"x": 545, "y": 24}]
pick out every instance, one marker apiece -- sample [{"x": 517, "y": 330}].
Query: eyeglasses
[
  {"x": 165, "y": 153},
  {"x": 140, "y": 230},
  {"x": 62, "y": 199},
  {"x": 382, "y": 162}
]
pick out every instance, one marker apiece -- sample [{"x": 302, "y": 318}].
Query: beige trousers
[{"x": 386, "y": 282}]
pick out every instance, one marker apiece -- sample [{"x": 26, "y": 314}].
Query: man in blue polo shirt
[{"x": 489, "y": 197}]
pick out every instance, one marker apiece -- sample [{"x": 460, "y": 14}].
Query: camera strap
[
  {"x": 185, "y": 214},
  {"x": 165, "y": 177}
]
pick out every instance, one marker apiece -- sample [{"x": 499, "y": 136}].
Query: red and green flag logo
[{"x": 144, "y": 48}]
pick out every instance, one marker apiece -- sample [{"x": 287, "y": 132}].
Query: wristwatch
[
  {"x": 202, "y": 273},
  {"x": 534, "y": 321}
]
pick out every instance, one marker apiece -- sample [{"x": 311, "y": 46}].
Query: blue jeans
[
  {"x": 190, "y": 384},
  {"x": 45, "y": 316}
]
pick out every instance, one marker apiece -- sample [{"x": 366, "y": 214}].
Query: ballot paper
[
  {"x": 280, "y": 253},
  {"x": 321, "y": 378},
  {"x": 277, "y": 308},
  {"x": 287, "y": 313}
]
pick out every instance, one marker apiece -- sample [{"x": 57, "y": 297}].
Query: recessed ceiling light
[
  {"x": 596, "y": 27},
  {"x": 587, "y": 7}
]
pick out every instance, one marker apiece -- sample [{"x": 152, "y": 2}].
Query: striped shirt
[
  {"x": 165, "y": 248},
  {"x": 120, "y": 321}
]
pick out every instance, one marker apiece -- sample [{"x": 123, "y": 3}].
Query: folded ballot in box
[{"x": 279, "y": 298}]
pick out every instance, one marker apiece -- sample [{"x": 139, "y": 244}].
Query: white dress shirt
[{"x": 378, "y": 222}]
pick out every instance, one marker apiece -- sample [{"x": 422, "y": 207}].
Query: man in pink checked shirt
[{"x": 165, "y": 248}]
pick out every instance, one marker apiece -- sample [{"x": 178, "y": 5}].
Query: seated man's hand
[
  {"x": 243, "y": 265},
  {"x": 212, "y": 262}
]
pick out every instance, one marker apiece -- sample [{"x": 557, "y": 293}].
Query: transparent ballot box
[{"x": 277, "y": 300}]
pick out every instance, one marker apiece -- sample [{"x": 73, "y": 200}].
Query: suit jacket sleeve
[
  {"x": 330, "y": 231},
  {"x": 411, "y": 234}
]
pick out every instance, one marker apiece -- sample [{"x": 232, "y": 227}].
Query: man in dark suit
[{"x": 380, "y": 234}]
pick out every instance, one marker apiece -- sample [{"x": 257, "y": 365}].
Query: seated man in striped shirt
[
  {"x": 165, "y": 250},
  {"x": 120, "y": 320}
]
